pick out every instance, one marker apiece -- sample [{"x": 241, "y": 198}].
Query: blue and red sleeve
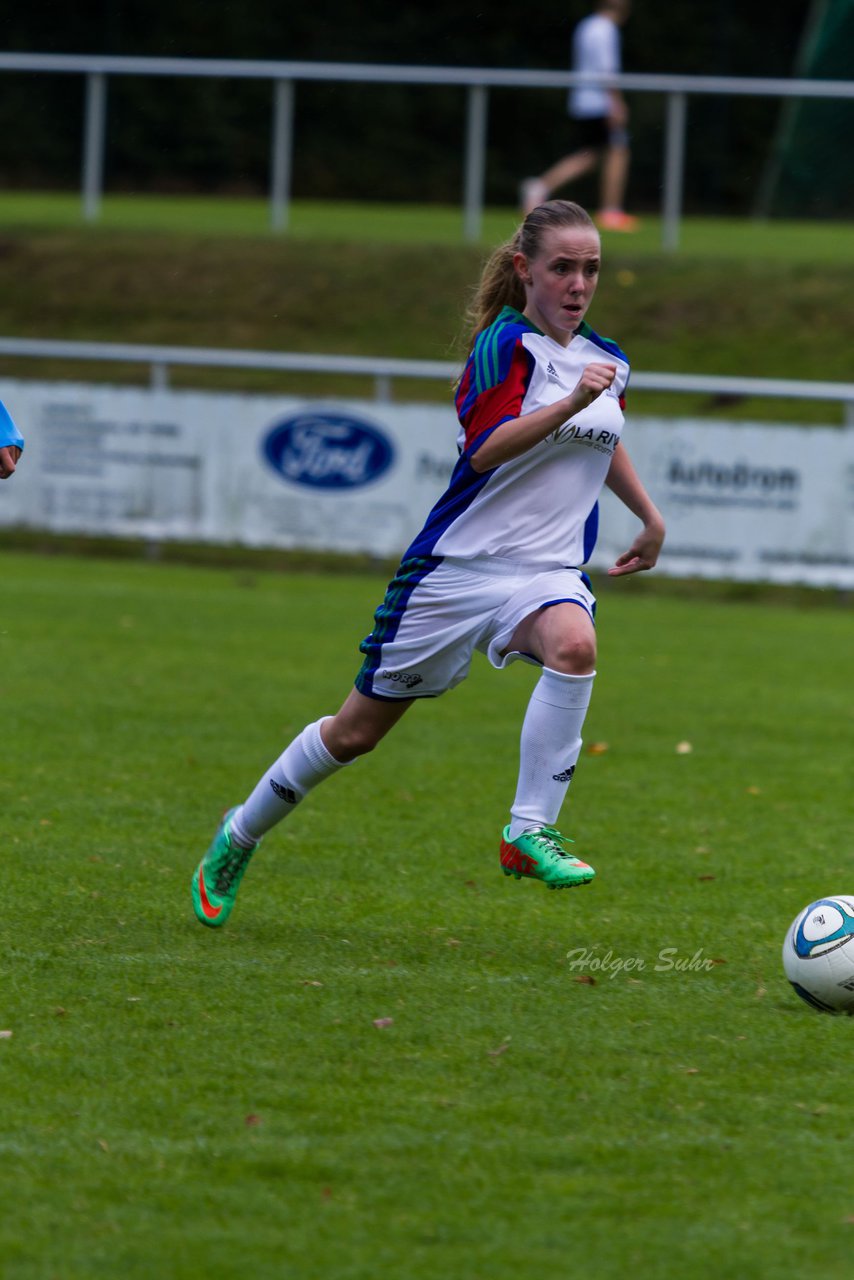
[{"x": 492, "y": 387}]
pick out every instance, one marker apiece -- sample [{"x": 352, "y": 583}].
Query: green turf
[
  {"x": 182, "y": 1103},
  {"x": 730, "y": 238}
]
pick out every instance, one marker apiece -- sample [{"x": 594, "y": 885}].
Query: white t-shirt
[
  {"x": 595, "y": 47},
  {"x": 540, "y": 508}
]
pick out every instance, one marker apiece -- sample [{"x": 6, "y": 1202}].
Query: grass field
[
  {"x": 742, "y": 239},
  {"x": 182, "y": 1103}
]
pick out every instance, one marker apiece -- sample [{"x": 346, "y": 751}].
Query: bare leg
[
  {"x": 569, "y": 169},
  {"x": 360, "y": 724},
  {"x": 615, "y": 172},
  {"x": 562, "y": 637}
]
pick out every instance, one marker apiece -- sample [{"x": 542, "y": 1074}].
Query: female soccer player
[{"x": 497, "y": 565}]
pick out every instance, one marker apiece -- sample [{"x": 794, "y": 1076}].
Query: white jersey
[
  {"x": 539, "y": 509},
  {"x": 595, "y": 47}
]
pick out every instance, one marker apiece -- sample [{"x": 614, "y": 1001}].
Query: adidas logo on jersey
[{"x": 551, "y": 371}]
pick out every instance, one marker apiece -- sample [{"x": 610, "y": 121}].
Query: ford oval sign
[{"x": 327, "y": 450}]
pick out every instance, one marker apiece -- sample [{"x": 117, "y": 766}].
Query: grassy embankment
[{"x": 739, "y": 298}]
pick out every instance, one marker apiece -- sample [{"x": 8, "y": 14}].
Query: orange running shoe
[{"x": 616, "y": 220}]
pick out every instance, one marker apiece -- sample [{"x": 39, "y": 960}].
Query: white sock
[
  {"x": 299, "y": 768},
  {"x": 550, "y": 747}
]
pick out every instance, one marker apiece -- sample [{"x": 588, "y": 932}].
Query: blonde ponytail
[{"x": 499, "y": 287}]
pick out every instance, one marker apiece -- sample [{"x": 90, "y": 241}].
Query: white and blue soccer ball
[{"x": 818, "y": 954}]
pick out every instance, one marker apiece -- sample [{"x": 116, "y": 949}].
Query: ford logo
[{"x": 328, "y": 450}]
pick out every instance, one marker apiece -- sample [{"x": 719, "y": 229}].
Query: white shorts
[{"x": 437, "y": 611}]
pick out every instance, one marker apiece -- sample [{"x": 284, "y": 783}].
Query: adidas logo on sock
[
  {"x": 565, "y": 775},
  {"x": 284, "y": 793}
]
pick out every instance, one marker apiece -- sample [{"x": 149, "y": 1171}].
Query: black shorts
[{"x": 594, "y": 133}]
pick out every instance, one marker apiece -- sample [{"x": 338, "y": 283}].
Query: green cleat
[
  {"x": 540, "y": 854},
  {"x": 218, "y": 875}
]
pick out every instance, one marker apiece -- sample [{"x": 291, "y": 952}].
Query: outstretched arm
[
  {"x": 8, "y": 458},
  {"x": 624, "y": 481}
]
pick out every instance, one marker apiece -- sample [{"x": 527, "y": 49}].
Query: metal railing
[
  {"x": 383, "y": 369},
  {"x": 477, "y": 81}
]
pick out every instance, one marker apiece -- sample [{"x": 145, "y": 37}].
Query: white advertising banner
[
  {"x": 744, "y": 501},
  {"x": 257, "y": 470},
  {"x": 752, "y": 502}
]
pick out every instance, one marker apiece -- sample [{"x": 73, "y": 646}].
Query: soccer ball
[{"x": 818, "y": 954}]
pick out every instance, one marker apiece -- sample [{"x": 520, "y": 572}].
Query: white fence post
[
  {"x": 159, "y": 376},
  {"x": 93, "y": 144},
  {"x": 475, "y": 161},
  {"x": 281, "y": 153},
  {"x": 674, "y": 166}
]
